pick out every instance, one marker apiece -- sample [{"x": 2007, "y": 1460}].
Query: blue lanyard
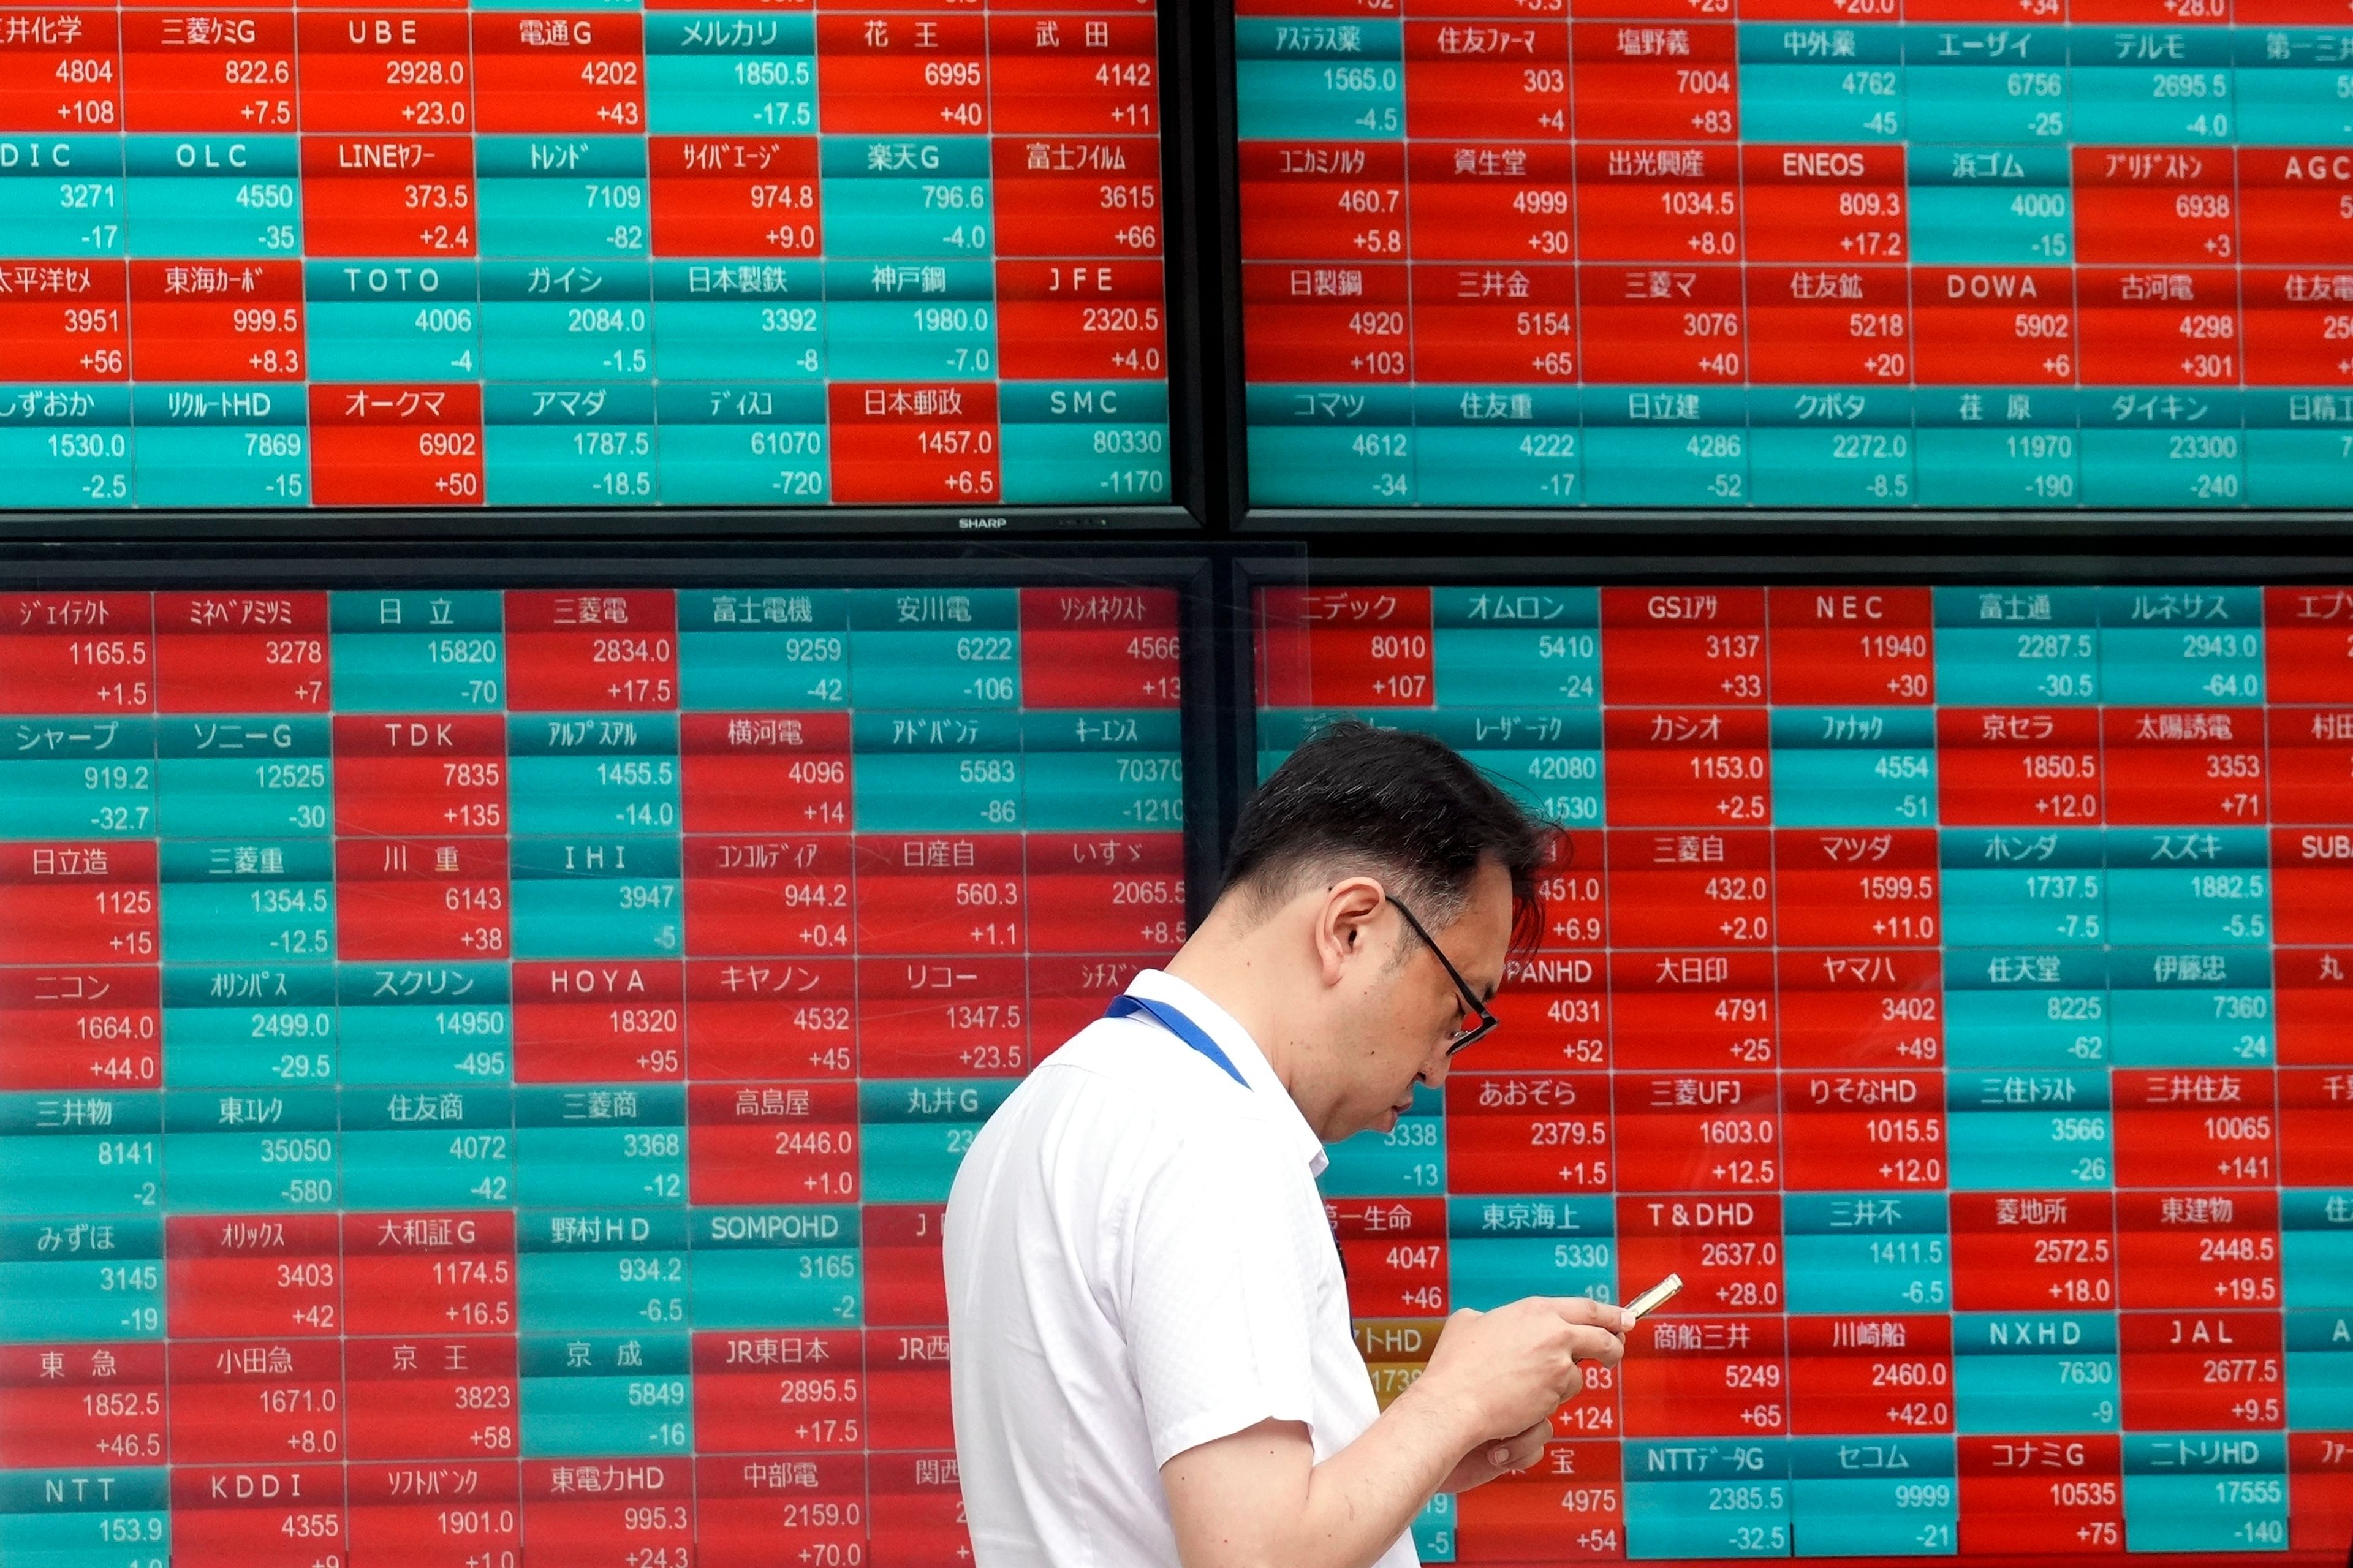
[{"x": 1177, "y": 1024}]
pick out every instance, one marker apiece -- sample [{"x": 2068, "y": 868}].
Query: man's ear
[{"x": 1344, "y": 918}]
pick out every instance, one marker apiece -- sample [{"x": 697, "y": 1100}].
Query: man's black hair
[{"x": 1398, "y": 805}]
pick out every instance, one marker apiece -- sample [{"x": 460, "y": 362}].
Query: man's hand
[
  {"x": 1488, "y": 1460},
  {"x": 1506, "y": 1372}
]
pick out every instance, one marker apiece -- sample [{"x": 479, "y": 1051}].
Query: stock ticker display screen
[
  {"x": 1952, "y": 985},
  {"x": 689, "y": 252},
  {"x": 1797, "y": 253},
  {"x": 480, "y": 1072}
]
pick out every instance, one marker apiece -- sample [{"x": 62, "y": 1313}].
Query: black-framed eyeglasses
[{"x": 1463, "y": 1038}]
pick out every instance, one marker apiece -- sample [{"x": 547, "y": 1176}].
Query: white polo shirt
[{"x": 1137, "y": 1263}]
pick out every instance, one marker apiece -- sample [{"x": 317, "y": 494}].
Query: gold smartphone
[{"x": 1652, "y": 1300}]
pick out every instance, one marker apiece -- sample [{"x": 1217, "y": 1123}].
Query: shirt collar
[{"x": 1159, "y": 986}]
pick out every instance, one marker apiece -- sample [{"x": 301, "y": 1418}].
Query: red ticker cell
[
  {"x": 1713, "y": 1133},
  {"x": 752, "y": 773},
  {"x": 1091, "y": 647},
  {"x": 1642, "y": 324},
  {"x": 1856, "y": 888},
  {"x": 1548, "y": 1133},
  {"x": 407, "y": 445},
  {"x": 773, "y": 1144},
  {"x": 570, "y": 652},
  {"x": 2202, "y": 1371},
  {"x": 1656, "y": 84},
  {"x": 2033, "y": 1252},
  {"x": 1706, "y": 1376},
  {"x": 70, "y": 322},
  {"x": 2137, "y": 205},
  {"x": 94, "y": 1027},
  {"x": 1081, "y": 319},
  {"x": 640, "y": 1507},
  {"x": 61, "y": 73},
  {"x": 232, "y": 72},
  {"x": 398, "y": 69},
  {"x": 382, "y": 198},
  {"x": 1556, "y": 1015},
  {"x": 59, "y": 1404},
  {"x": 1068, "y": 993},
  {"x": 2018, "y": 767},
  {"x": 1862, "y": 1008},
  {"x": 738, "y": 1009},
  {"x": 78, "y": 903},
  {"x": 1695, "y": 1011},
  {"x": 2203, "y": 766},
  {"x": 391, "y": 1521},
  {"x": 1567, "y": 1507},
  {"x": 2184, "y": 1129},
  {"x": 232, "y": 320},
  {"x": 748, "y": 1383},
  {"x": 1868, "y": 647},
  {"x": 1837, "y": 205},
  {"x": 559, "y": 70},
  {"x": 432, "y": 1395},
  {"x": 953, "y": 1017},
  {"x": 917, "y": 1507},
  {"x": 418, "y": 899},
  {"x": 926, "y": 75},
  {"x": 749, "y": 897},
  {"x": 1688, "y": 767},
  {"x": 618, "y": 1021},
  {"x": 2313, "y": 1102},
  {"x": 1686, "y": 890},
  {"x": 1324, "y": 201},
  {"x": 1490, "y": 204},
  {"x": 1493, "y": 80},
  {"x": 2063, "y": 1494},
  {"x": 77, "y": 653},
  {"x": 1098, "y": 195},
  {"x": 2294, "y": 327},
  {"x": 1667, "y": 645},
  {"x": 429, "y": 1273},
  {"x": 241, "y": 653},
  {"x": 1678, "y": 204},
  {"x": 1344, "y": 322},
  {"x": 1889, "y": 1375},
  {"x": 1810, "y": 324},
  {"x": 2175, "y": 327},
  {"x": 919, "y": 895},
  {"x": 2320, "y": 1471},
  {"x": 2292, "y": 199},
  {"x": 933, "y": 443},
  {"x": 1345, "y": 647},
  {"x": 735, "y": 196},
  {"x": 904, "y": 1286},
  {"x": 2310, "y": 751},
  {"x": 751, "y": 1510},
  {"x": 262, "y": 1515},
  {"x": 2313, "y": 994},
  {"x": 1993, "y": 326},
  {"x": 440, "y": 775},
  {"x": 2193, "y": 1251},
  {"x": 255, "y": 1403},
  {"x": 1072, "y": 76},
  {"x": 1863, "y": 1132},
  {"x": 1090, "y": 891},
  {"x": 1495, "y": 324}
]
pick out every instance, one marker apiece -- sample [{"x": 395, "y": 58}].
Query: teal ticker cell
[
  {"x": 1470, "y": 465},
  {"x": 632, "y": 1389},
  {"x": 1504, "y": 644},
  {"x": 928, "y": 201},
  {"x": 612, "y": 1291},
  {"x": 220, "y": 446},
  {"x": 1305, "y": 465},
  {"x": 1986, "y": 84},
  {"x": 448, "y": 1025},
  {"x": 1854, "y": 767},
  {"x": 2290, "y": 92},
  {"x": 735, "y": 443},
  {"x": 444, "y": 1148},
  {"x": 568, "y": 445},
  {"x": 2035, "y": 1373},
  {"x": 1998, "y": 646},
  {"x": 2164, "y": 448},
  {"x": 250, "y": 778},
  {"x": 2319, "y": 1370},
  {"x": 1671, "y": 1485},
  {"x": 1994, "y": 446},
  {"x": 755, "y": 324},
  {"x": 2154, "y": 86},
  {"x": 432, "y": 651},
  {"x": 82, "y": 1280},
  {"x": 593, "y": 774},
  {"x": 98, "y": 1157},
  {"x": 78, "y": 779},
  {"x": 67, "y": 445},
  {"x": 1327, "y": 79},
  {"x": 1676, "y": 465},
  {"x": 226, "y": 199},
  {"x": 1854, "y": 1497},
  {"x": 1867, "y": 1254},
  {"x": 722, "y": 75},
  {"x": 913, "y": 1134},
  {"x": 2206, "y": 1491},
  {"x": 2317, "y": 1248},
  {"x": 2004, "y": 204},
  {"x": 586, "y": 1162},
  {"x": 61, "y": 196},
  {"x": 408, "y": 320},
  {"x": 2023, "y": 1130},
  {"x": 1410, "y": 1160},
  {"x": 249, "y": 1028},
  {"x": 1792, "y": 90},
  {"x": 1434, "y": 1529},
  {"x": 2177, "y": 646},
  {"x": 102, "y": 1517},
  {"x": 2296, "y": 465},
  {"x": 577, "y": 198},
  {"x": 775, "y": 1268},
  {"x": 265, "y": 1152},
  {"x": 1797, "y": 465},
  {"x": 571, "y": 321}
]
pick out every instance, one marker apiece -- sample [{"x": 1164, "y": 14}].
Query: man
[{"x": 1152, "y": 1362}]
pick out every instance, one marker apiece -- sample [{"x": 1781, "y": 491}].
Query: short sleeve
[{"x": 1219, "y": 1309}]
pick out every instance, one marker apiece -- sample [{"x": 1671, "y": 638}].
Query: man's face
[{"x": 1407, "y": 1010}]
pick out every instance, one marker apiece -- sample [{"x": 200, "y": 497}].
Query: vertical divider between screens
[
  {"x": 1223, "y": 137},
  {"x": 1192, "y": 244}
]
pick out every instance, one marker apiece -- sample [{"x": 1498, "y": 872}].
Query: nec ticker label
[
  {"x": 705, "y": 254},
  {"x": 1952, "y": 985},
  {"x": 480, "y": 1072}
]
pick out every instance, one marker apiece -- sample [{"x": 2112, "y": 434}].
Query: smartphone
[{"x": 1656, "y": 1296}]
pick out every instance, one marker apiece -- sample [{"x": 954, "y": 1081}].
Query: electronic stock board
[
  {"x": 687, "y": 253},
  {"x": 481, "y": 1070},
  {"x": 1819, "y": 254},
  {"x": 1951, "y": 984}
]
